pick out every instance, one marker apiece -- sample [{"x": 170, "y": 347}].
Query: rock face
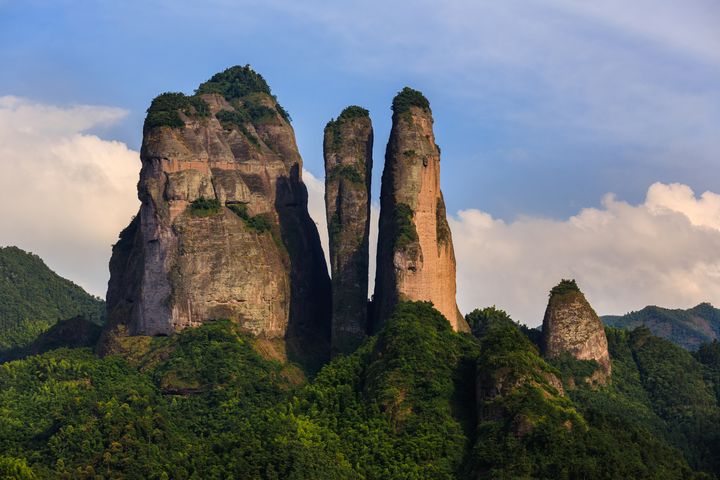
[
  {"x": 347, "y": 149},
  {"x": 415, "y": 259},
  {"x": 572, "y": 326},
  {"x": 223, "y": 230}
]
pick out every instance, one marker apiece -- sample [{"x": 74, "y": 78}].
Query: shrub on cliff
[
  {"x": 407, "y": 98},
  {"x": 237, "y": 83},
  {"x": 204, "y": 207},
  {"x": 164, "y": 110}
]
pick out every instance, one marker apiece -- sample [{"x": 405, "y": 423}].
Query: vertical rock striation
[
  {"x": 223, "y": 229},
  {"x": 415, "y": 259},
  {"x": 347, "y": 149},
  {"x": 572, "y": 327}
]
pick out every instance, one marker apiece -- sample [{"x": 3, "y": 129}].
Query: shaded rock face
[
  {"x": 347, "y": 150},
  {"x": 223, "y": 230},
  {"x": 415, "y": 259},
  {"x": 572, "y": 326}
]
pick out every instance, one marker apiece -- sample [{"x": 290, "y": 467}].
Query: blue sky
[
  {"x": 541, "y": 107},
  {"x": 513, "y": 141}
]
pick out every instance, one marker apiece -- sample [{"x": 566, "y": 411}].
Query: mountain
[
  {"x": 223, "y": 229},
  {"x": 33, "y": 298},
  {"x": 688, "y": 328}
]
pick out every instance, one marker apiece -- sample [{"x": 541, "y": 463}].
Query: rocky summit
[
  {"x": 347, "y": 147},
  {"x": 223, "y": 229},
  {"x": 415, "y": 259},
  {"x": 571, "y": 326}
]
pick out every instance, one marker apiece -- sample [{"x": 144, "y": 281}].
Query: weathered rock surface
[
  {"x": 223, "y": 230},
  {"x": 415, "y": 259},
  {"x": 572, "y": 326},
  {"x": 347, "y": 149}
]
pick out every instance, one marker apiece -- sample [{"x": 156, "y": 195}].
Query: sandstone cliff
[
  {"x": 347, "y": 149},
  {"x": 223, "y": 230},
  {"x": 571, "y": 326},
  {"x": 415, "y": 259}
]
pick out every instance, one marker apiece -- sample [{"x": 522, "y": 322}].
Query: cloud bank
[
  {"x": 664, "y": 251},
  {"x": 66, "y": 194}
]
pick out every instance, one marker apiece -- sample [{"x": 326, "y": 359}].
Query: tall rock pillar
[
  {"x": 223, "y": 229},
  {"x": 415, "y": 259},
  {"x": 347, "y": 149},
  {"x": 572, "y": 327}
]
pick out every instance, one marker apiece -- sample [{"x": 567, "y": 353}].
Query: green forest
[
  {"x": 209, "y": 404},
  {"x": 33, "y": 298}
]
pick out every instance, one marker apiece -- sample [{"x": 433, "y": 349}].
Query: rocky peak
[
  {"x": 571, "y": 326},
  {"x": 416, "y": 260},
  {"x": 347, "y": 149},
  {"x": 223, "y": 229}
]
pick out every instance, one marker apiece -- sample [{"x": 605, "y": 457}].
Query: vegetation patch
[
  {"x": 442, "y": 229},
  {"x": 230, "y": 119},
  {"x": 405, "y": 232},
  {"x": 348, "y": 114},
  {"x": 574, "y": 371},
  {"x": 164, "y": 110},
  {"x": 204, "y": 207},
  {"x": 564, "y": 287},
  {"x": 347, "y": 172},
  {"x": 257, "y": 223},
  {"x": 239, "y": 82},
  {"x": 408, "y": 98}
]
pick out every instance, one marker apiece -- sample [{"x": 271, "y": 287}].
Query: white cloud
[
  {"x": 65, "y": 194},
  {"x": 665, "y": 251}
]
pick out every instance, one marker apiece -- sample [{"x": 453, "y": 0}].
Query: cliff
[
  {"x": 571, "y": 326},
  {"x": 223, "y": 230},
  {"x": 347, "y": 150},
  {"x": 415, "y": 259}
]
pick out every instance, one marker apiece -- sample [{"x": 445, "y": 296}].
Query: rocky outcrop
[
  {"x": 223, "y": 229},
  {"x": 572, "y": 327},
  {"x": 348, "y": 165},
  {"x": 415, "y": 259}
]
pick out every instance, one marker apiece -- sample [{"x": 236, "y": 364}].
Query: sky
[{"x": 579, "y": 139}]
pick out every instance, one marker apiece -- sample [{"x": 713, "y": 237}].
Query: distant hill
[
  {"x": 688, "y": 328},
  {"x": 33, "y": 298}
]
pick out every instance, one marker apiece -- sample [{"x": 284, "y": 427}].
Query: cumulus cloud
[
  {"x": 66, "y": 193},
  {"x": 664, "y": 251}
]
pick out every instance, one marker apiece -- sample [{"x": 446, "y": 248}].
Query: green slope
[
  {"x": 206, "y": 404},
  {"x": 33, "y": 297},
  {"x": 688, "y": 328}
]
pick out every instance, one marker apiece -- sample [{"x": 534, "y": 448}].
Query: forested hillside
[
  {"x": 416, "y": 401},
  {"x": 688, "y": 328},
  {"x": 33, "y": 297}
]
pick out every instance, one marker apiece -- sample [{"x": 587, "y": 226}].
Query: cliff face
[
  {"x": 572, "y": 326},
  {"x": 415, "y": 259},
  {"x": 347, "y": 149},
  {"x": 223, "y": 230}
]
